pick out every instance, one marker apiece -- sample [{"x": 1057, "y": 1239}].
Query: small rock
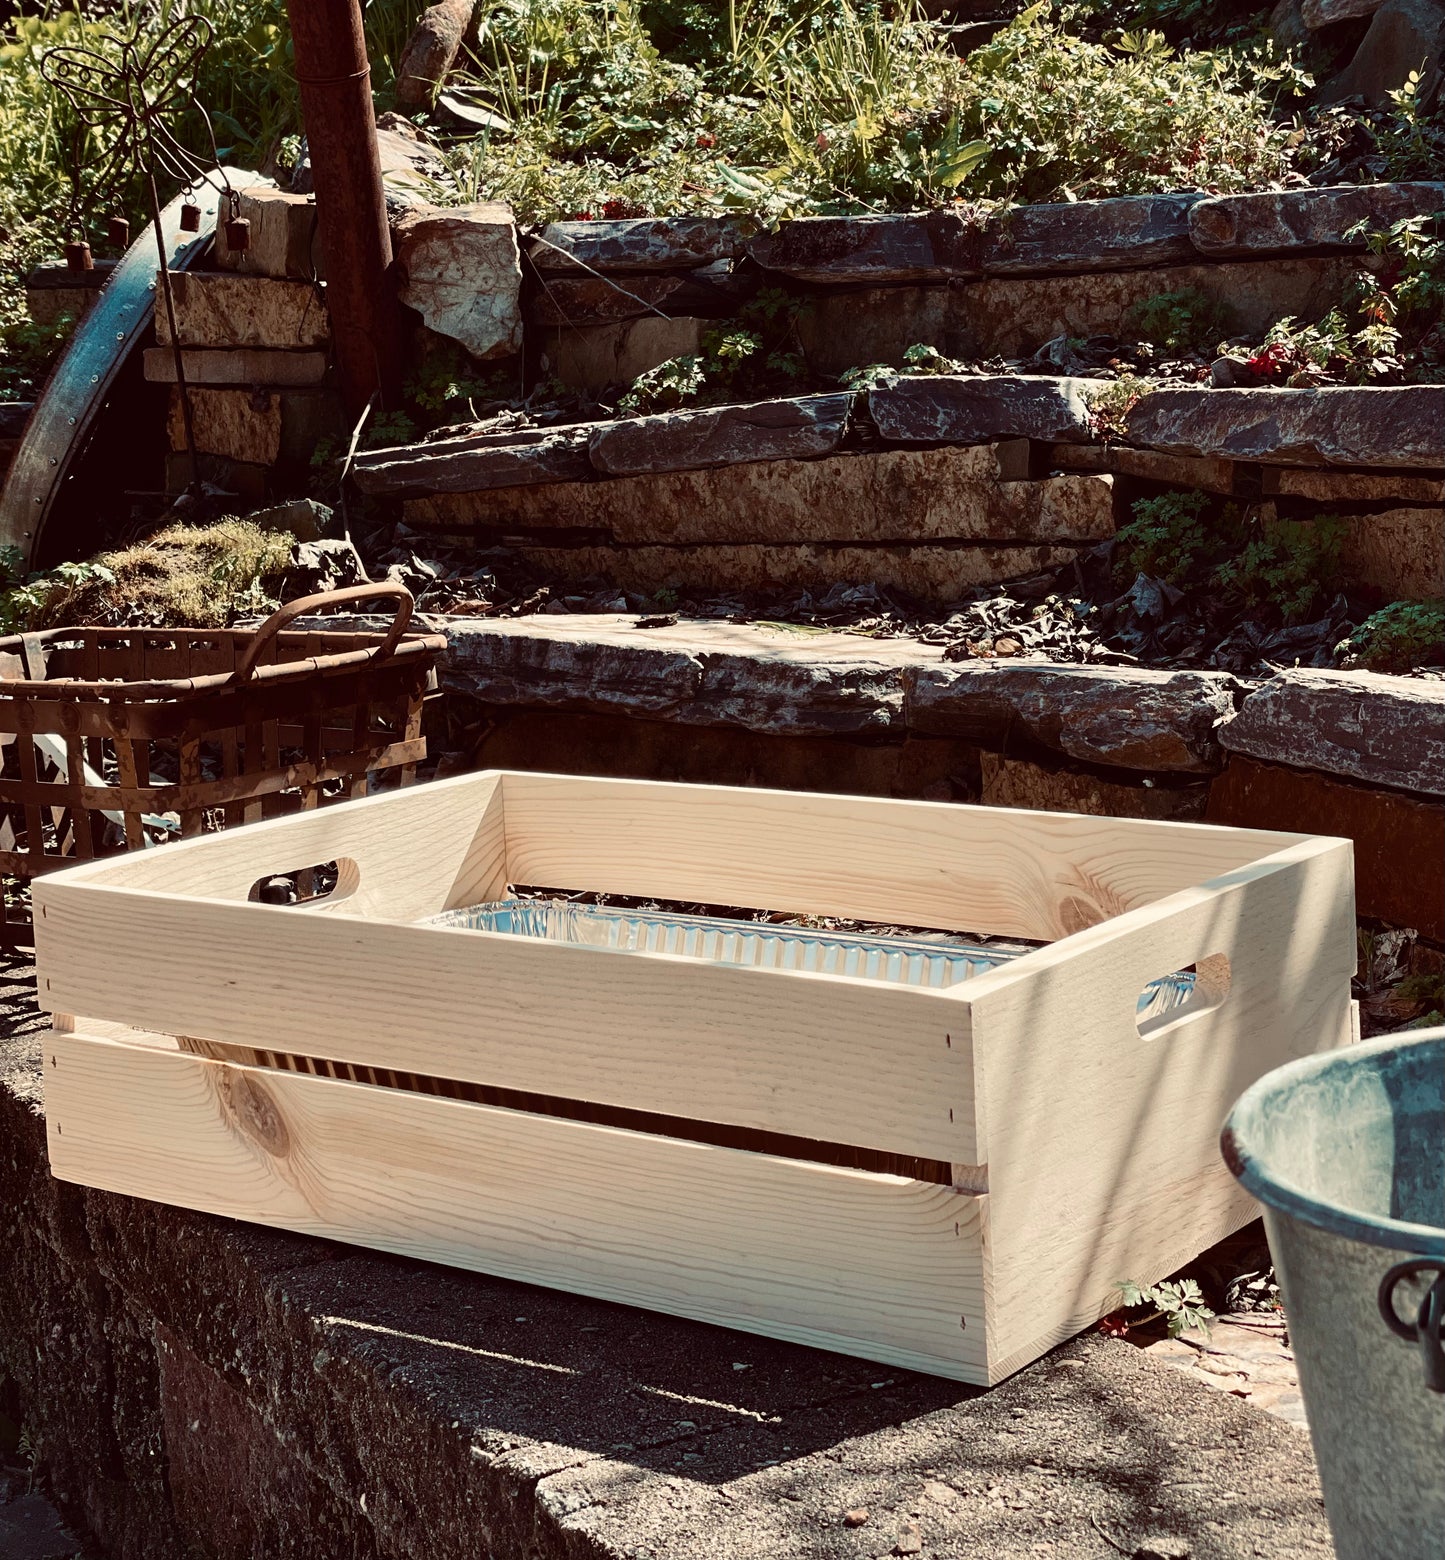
[
  {"x": 910, "y": 1540},
  {"x": 855, "y": 1518},
  {"x": 319, "y": 566},
  {"x": 1164, "y": 1547},
  {"x": 304, "y": 518},
  {"x": 461, "y": 271},
  {"x": 1232, "y": 373},
  {"x": 1404, "y": 36},
  {"x": 1321, "y": 13},
  {"x": 431, "y": 53}
]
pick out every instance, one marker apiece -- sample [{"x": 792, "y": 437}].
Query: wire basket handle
[{"x": 273, "y": 625}]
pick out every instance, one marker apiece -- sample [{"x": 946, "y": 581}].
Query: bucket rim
[{"x": 1240, "y": 1133}]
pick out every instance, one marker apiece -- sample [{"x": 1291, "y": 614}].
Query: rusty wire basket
[{"x": 117, "y": 738}]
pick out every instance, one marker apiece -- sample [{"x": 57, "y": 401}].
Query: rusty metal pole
[{"x": 335, "y": 81}]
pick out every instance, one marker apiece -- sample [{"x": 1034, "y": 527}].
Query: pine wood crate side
[
  {"x": 844, "y": 1061},
  {"x": 418, "y": 851},
  {"x": 874, "y": 1265},
  {"x": 936, "y": 864},
  {"x": 1102, "y": 1146}
]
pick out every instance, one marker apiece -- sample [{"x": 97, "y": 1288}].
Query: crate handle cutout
[
  {"x": 1209, "y": 981},
  {"x": 327, "y": 881}
]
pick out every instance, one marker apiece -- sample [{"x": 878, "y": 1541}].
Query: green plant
[
  {"x": 1183, "y": 321},
  {"x": 184, "y": 576},
  {"x": 673, "y": 383},
  {"x": 1389, "y": 326},
  {"x": 448, "y": 379},
  {"x": 618, "y": 108},
  {"x": 1290, "y": 565},
  {"x": 1181, "y": 1304},
  {"x": 27, "y": 349},
  {"x": 752, "y": 354},
  {"x": 1111, "y": 401},
  {"x": 1170, "y": 538},
  {"x": 1193, "y": 544},
  {"x": 1411, "y": 140},
  {"x": 1398, "y": 638},
  {"x": 42, "y": 598},
  {"x": 919, "y": 359}
]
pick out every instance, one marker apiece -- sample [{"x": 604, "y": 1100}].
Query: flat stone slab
[
  {"x": 637, "y": 244},
  {"x": 718, "y": 674},
  {"x": 953, "y": 493},
  {"x": 516, "y": 459},
  {"x": 721, "y": 436},
  {"x": 960, "y": 409},
  {"x": 1387, "y": 731},
  {"x": 1090, "y": 235},
  {"x": 1279, "y": 220},
  {"x": 1087, "y": 235},
  {"x": 1398, "y": 426},
  {"x": 867, "y": 249},
  {"x": 1130, "y": 716},
  {"x": 772, "y": 680}
]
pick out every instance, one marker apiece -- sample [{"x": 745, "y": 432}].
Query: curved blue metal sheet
[{"x": 66, "y": 411}]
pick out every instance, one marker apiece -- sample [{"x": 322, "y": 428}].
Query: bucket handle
[
  {"x": 1425, "y": 1330},
  {"x": 246, "y": 663}
]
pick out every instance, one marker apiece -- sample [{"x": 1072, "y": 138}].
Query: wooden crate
[{"x": 713, "y": 1141}]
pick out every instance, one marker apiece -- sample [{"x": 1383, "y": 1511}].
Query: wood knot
[{"x": 254, "y": 1112}]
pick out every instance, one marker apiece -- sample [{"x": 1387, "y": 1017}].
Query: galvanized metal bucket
[{"x": 1347, "y": 1153}]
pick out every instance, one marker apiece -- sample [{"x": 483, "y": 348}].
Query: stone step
[
  {"x": 1065, "y": 238},
  {"x": 805, "y": 683},
  {"x": 1389, "y": 426},
  {"x": 1384, "y": 731},
  {"x": 1274, "y": 221},
  {"x": 936, "y": 572},
  {"x": 957, "y": 493}
]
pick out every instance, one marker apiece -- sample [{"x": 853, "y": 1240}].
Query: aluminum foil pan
[{"x": 904, "y": 961}]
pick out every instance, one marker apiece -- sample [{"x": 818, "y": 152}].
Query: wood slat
[
  {"x": 984, "y": 869},
  {"x": 421, "y": 852},
  {"x": 852, "y": 1062},
  {"x": 839, "y": 1259}
]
